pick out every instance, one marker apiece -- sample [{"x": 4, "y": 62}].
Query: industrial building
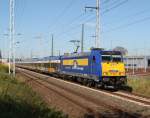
[{"x": 137, "y": 62}]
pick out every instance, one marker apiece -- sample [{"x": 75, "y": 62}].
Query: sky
[{"x": 123, "y": 23}]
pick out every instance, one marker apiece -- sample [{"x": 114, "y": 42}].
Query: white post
[
  {"x": 145, "y": 64},
  {"x": 97, "y": 23},
  {"x": 127, "y": 63},
  {"x": 133, "y": 66},
  {"x": 11, "y": 35},
  {"x": 13, "y": 38},
  {"x": 10, "y": 32}
]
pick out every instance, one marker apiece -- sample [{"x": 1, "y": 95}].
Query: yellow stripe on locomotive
[{"x": 80, "y": 62}]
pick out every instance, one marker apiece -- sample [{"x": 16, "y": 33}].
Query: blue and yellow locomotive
[{"x": 95, "y": 68}]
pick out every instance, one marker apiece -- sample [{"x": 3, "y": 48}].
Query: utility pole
[
  {"x": 52, "y": 48},
  {"x": 11, "y": 35},
  {"x": 82, "y": 39},
  {"x": 97, "y": 23},
  {"x": 133, "y": 63},
  {"x": 97, "y": 8},
  {"x": 145, "y": 63}
]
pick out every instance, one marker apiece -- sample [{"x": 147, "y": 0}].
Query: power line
[
  {"x": 21, "y": 13},
  {"x": 128, "y": 24},
  {"x": 105, "y": 2},
  {"x": 129, "y": 16},
  {"x": 72, "y": 21},
  {"x": 75, "y": 19},
  {"x": 62, "y": 13},
  {"x": 74, "y": 27},
  {"x": 114, "y": 7}
]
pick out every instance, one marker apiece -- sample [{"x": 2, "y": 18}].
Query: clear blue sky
[{"x": 127, "y": 24}]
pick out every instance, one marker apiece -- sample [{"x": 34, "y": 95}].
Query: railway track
[
  {"x": 79, "y": 95},
  {"x": 145, "y": 101}
]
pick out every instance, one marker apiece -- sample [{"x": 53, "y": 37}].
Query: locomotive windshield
[{"x": 111, "y": 58}]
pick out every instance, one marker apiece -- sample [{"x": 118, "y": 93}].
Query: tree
[{"x": 123, "y": 50}]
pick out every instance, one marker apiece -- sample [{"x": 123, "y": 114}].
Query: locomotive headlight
[{"x": 105, "y": 73}]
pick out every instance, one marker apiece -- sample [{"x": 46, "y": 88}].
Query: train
[{"x": 98, "y": 67}]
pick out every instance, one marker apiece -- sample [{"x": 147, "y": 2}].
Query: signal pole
[
  {"x": 11, "y": 35},
  {"x": 82, "y": 39},
  {"x": 97, "y": 8}
]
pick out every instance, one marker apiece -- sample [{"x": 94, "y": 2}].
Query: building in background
[{"x": 137, "y": 62}]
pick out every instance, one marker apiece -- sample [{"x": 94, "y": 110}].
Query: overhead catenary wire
[
  {"x": 74, "y": 27},
  {"x": 114, "y": 7},
  {"x": 78, "y": 18},
  {"x": 105, "y": 1},
  {"x": 110, "y": 2},
  {"x": 127, "y": 25},
  {"x": 22, "y": 12},
  {"x": 62, "y": 13},
  {"x": 129, "y": 16}
]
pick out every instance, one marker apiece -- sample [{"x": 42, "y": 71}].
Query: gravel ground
[
  {"x": 54, "y": 100},
  {"x": 70, "y": 106}
]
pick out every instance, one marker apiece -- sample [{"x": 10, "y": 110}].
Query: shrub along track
[{"x": 92, "y": 105}]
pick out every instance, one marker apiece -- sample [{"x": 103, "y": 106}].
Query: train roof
[
  {"x": 76, "y": 54},
  {"x": 111, "y": 52},
  {"x": 51, "y": 61}
]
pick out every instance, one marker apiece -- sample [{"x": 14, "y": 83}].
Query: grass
[
  {"x": 17, "y": 100},
  {"x": 140, "y": 85},
  {"x": 3, "y": 68}
]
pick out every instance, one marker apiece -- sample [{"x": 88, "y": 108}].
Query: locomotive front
[{"x": 113, "y": 69}]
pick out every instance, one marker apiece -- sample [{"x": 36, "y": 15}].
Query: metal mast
[
  {"x": 82, "y": 39},
  {"x": 97, "y": 8},
  {"x": 11, "y": 35},
  {"x": 97, "y": 23},
  {"x": 52, "y": 48}
]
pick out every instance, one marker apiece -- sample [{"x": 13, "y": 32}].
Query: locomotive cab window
[
  {"x": 112, "y": 58},
  {"x": 117, "y": 58},
  {"x": 106, "y": 58}
]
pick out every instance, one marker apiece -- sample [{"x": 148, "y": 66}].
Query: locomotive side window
[{"x": 94, "y": 59}]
